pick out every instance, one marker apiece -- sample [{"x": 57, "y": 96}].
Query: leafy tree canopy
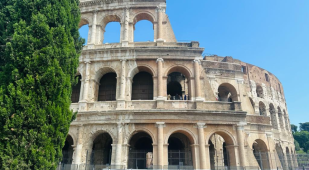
[
  {"x": 39, "y": 50},
  {"x": 294, "y": 128},
  {"x": 304, "y": 126},
  {"x": 302, "y": 138}
]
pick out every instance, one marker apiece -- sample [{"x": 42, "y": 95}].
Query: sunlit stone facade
[{"x": 162, "y": 104}]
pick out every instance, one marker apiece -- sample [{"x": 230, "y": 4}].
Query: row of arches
[
  {"x": 180, "y": 150},
  {"x": 111, "y": 28},
  {"x": 178, "y": 87},
  {"x": 273, "y": 113}
]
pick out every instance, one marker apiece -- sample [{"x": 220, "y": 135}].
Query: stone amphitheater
[{"x": 163, "y": 105}]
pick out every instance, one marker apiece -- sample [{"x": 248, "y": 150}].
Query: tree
[
  {"x": 294, "y": 128},
  {"x": 39, "y": 50},
  {"x": 302, "y": 138},
  {"x": 304, "y": 126}
]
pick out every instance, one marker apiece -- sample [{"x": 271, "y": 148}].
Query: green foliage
[
  {"x": 304, "y": 126},
  {"x": 39, "y": 50},
  {"x": 302, "y": 138},
  {"x": 297, "y": 147},
  {"x": 294, "y": 128}
]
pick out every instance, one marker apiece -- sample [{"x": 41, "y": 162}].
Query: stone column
[
  {"x": 159, "y": 25},
  {"x": 94, "y": 28},
  {"x": 207, "y": 159},
  {"x": 160, "y": 126},
  {"x": 160, "y": 77},
  {"x": 125, "y": 39},
  {"x": 79, "y": 146},
  {"x": 201, "y": 142},
  {"x": 87, "y": 81},
  {"x": 241, "y": 146},
  {"x": 197, "y": 81},
  {"x": 121, "y": 99},
  {"x": 118, "y": 156}
]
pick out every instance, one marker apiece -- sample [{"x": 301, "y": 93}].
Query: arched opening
[
  {"x": 179, "y": 151},
  {"x": 280, "y": 117},
  {"x": 143, "y": 27},
  {"x": 221, "y": 151},
  {"x": 273, "y": 116},
  {"x": 140, "y": 151},
  {"x": 84, "y": 30},
  {"x": 67, "y": 151},
  {"x": 76, "y": 90},
  {"x": 260, "y": 152},
  {"x": 289, "y": 158},
  {"x": 227, "y": 93},
  {"x": 259, "y": 91},
  {"x": 280, "y": 155},
  {"x": 177, "y": 86},
  {"x": 142, "y": 86},
  {"x": 101, "y": 154},
  {"x": 111, "y": 29},
  {"x": 143, "y": 31},
  {"x": 112, "y": 33},
  {"x": 262, "y": 109},
  {"x": 107, "y": 88}
]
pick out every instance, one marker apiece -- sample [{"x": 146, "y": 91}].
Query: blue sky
[{"x": 272, "y": 34}]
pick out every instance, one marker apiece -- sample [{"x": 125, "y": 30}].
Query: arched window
[
  {"x": 259, "y": 91},
  {"x": 84, "y": 30},
  {"x": 111, "y": 29},
  {"x": 177, "y": 86},
  {"x": 142, "y": 87},
  {"x": 280, "y": 116},
  {"x": 179, "y": 150},
  {"x": 143, "y": 31},
  {"x": 262, "y": 109},
  {"x": 112, "y": 33},
  {"x": 260, "y": 152},
  {"x": 143, "y": 27},
  {"x": 273, "y": 116},
  {"x": 107, "y": 88},
  {"x": 76, "y": 90},
  {"x": 227, "y": 93}
]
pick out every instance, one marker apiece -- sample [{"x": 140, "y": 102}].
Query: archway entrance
[
  {"x": 219, "y": 156},
  {"x": 281, "y": 157},
  {"x": 177, "y": 86},
  {"x": 76, "y": 90},
  {"x": 102, "y": 150},
  {"x": 261, "y": 154},
  {"x": 140, "y": 151},
  {"x": 142, "y": 87},
  {"x": 67, "y": 151},
  {"x": 179, "y": 151},
  {"x": 107, "y": 88}
]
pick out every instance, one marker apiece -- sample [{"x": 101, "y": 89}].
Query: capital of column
[
  {"x": 160, "y": 60},
  {"x": 87, "y": 62},
  {"x": 120, "y": 125},
  {"x": 201, "y": 125},
  {"x": 160, "y": 124},
  {"x": 197, "y": 61},
  {"x": 123, "y": 60}
]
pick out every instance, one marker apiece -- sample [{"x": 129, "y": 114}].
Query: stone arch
[
  {"x": 261, "y": 142},
  {"x": 67, "y": 150},
  {"x": 99, "y": 132},
  {"x": 227, "y": 92},
  {"x": 262, "y": 109},
  {"x": 280, "y": 117},
  {"x": 145, "y": 130},
  {"x": 187, "y": 132},
  {"x": 260, "y": 152},
  {"x": 145, "y": 15},
  {"x": 179, "y": 68},
  {"x": 140, "y": 68},
  {"x": 83, "y": 21},
  {"x": 226, "y": 135},
  {"x": 102, "y": 71},
  {"x": 109, "y": 18},
  {"x": 73, "y": 137}
]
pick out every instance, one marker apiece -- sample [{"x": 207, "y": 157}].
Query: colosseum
[{"x": 163, "y": 105}]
